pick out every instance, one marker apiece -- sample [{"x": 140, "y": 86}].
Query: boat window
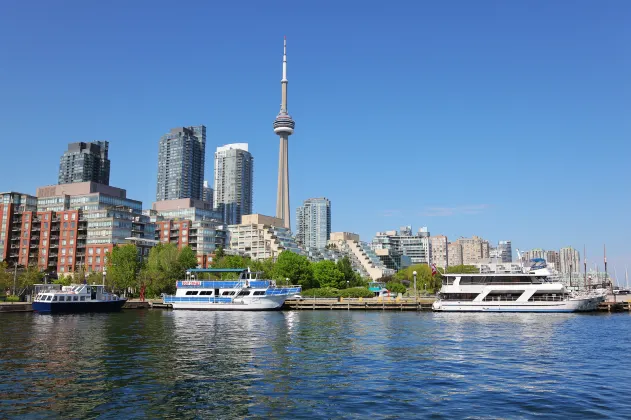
[
  {"x": 227, "y": 293},
  {"x": 259, "y": 292},
  {"x": 206, "y": 292},
  {"x": 244, "y": 293},
  {"x": 191, "y": 292},
  {"x": 54, "y": 298},
  {"x": 75, "y": 298},
  {"x": 82, "y": 298}
]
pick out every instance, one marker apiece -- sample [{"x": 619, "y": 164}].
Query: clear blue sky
[{"x": 505, "y": 119}]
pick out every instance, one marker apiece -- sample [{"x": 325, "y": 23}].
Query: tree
[
  {"x": 219, "y": 253},
  {"x": 30, "y": 276},
  {"x": 327, "y": 274},
  {"x": 351, "y": 278},
  {"x": 265, "y": 267},
  {"x": 394, "y": 287},
  {"x": 123, "y": 266},
  {"x": 6, "y": 278},
  {"x": 296, "y": 268},
  {"x": 187, "y": 258}
]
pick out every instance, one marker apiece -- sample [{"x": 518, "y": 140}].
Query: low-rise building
[{"x": 261, "y": 237}]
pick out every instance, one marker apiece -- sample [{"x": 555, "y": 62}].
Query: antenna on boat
[{"x": 626, "y": 276}]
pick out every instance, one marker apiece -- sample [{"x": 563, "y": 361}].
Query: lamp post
[
  {"x": 415, "y": 293},
  {"x": 104, "y": 274},
  {"x": 348, "y": 284},
  {"x": 286, "y": 281}
]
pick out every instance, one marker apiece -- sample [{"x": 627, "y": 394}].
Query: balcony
[{"x": 82, "y": 236}]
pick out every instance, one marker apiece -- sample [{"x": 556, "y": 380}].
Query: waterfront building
[
  {"x": 284, "y": 127},
  {"x": 13, "y": 244},
  {"x": 189, "y": 222},
  {"x": 181, "y": 156},
  {"x": 362, "y": 256},
  {"x": 207, "y": 193},
  {"x": 505, "y": 251},
  {"x": 80, "y": 223},
  {"x": 474, "y": 249},
  {"x": 84, "y": 162},
  {"x": 454, "y": 250},
  {"x": 261, "y": 237},
  {"x": 391, "y": 245},
  {"x": 439, "y": 247},
  {"x": 234, "y": 168},
  {"x": 313, "y": 221},
  {"x": 570, "y": 260},
  {"x": 553, "y": 258}
]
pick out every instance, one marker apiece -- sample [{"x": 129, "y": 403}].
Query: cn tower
[{"x": 284, "y": 127}]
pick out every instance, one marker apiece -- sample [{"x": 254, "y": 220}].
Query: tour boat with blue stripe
[
  {"x": 531, "y": 290},
  {"x": 247, "y": 293},
  {"x": 79, "y": 298}
]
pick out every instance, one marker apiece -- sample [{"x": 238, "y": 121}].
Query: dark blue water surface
[{"x": 333, "y": 364}]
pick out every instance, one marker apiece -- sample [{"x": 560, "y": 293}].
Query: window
[
  {"x": 206, "y": 292},
  {"x": 82, "y": 298},
  {"x": 54, "y": 298},
  {"x": 65, "y": 218},
  {"x": 75, "y": 298},
  {"x": 259, "y": 292},
  {"x": 74, "y": 216},
  {"x": 66, "y": 225},
  {"x": 244, "y": 293},
  {"x": 98, "y": 260},
  {"x": 63, "y": 242},
  {"x": 227, "y": 293},
  {"x": 90, "y": 251},
  {"x": 89, "y": 260},
  {"x": 191, "y": 292},
  {"x": 98, "y": 251}
]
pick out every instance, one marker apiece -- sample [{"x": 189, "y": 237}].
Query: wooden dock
[
  {"x": 16, "y": 307},
  {"x": 369, "y": 304},
  {"x": 615, "y": 307}
]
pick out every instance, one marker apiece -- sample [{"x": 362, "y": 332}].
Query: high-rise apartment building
[
  {"x": 570, "y": 260},
  {"x": 313, "y": 221},
  {"x": 84, "y": 162},
  {"x": 207, "y": 193},
  {"x": 234, "y": 168},
  {"x": 454, "y": 249},
  {"x": 391, "y": 246},
  {"x": 554, "y": 260},
  {"x": 474, "y": 249},
  {"x": 181, "y": 156},
  {"x": 505, "y": 251},
  {"x": 439, "y": 250}
]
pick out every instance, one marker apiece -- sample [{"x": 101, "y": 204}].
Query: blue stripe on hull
[{"x": 78, "y": 307}]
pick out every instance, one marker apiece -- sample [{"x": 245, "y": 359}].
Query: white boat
[
  {"x": 527, "y": 291},
  {"x": 247, "y": 293}
]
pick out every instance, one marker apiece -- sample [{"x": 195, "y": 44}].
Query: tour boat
[
  {"x": 527, "y": 291},
  {"x": 247, "y": 293},
  {"x": 79, "y": 298}
]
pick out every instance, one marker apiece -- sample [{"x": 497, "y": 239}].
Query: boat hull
[
  {"x": 78, "y": 307},
  {"x": 270, "y": 303},
  {"x": 571, "y": 305}
]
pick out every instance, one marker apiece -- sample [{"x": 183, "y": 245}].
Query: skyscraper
[
  {"x": 84, "y": 162},
  {"x": 570, "y": 260},
  {"x": 181, "y": 156},
  {"x": 284, "y": 127},
  {"x": 234, "y": 167},
  {"x": 207, "y": 193},
  {"x": 313, "y": 221}
]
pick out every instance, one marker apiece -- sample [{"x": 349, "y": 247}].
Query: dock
[
  {"x": 16, "y": 307},
  {"x": 363, "y": 304}
]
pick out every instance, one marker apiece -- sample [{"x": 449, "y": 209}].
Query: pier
[{"x": 364, "y": 304}]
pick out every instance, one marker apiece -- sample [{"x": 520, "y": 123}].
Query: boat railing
[
  {"x": 196, "y": 299},
  {"x": 547, "y": 299}
]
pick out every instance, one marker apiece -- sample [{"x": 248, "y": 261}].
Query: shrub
[
  {"x": 325, "y": 292},
  {"x": 356, "y": 292},
  {"x": 396, "y": 287},
  {"x": 13, "y": 298}
]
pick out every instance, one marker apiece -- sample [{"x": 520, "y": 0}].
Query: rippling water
[{"x": 330, "y": 364}]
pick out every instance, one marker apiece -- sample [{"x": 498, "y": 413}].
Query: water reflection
[{"x": 181, "y": 364}]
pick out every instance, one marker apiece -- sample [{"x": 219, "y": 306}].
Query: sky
[{"x": 509, "y": 120}]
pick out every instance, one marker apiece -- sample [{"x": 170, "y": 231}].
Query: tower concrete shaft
[{"x": 284, "y": 127}]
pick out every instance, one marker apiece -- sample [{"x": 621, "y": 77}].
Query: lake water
[{"x": 327, "y": 364}]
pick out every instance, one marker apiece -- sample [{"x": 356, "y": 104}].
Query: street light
[
  {"x": 104, "y": 274},
  {"x": 415, "y": 296},
  {"x": 287, "y": 281},
  {"x": 348, "y": 284}
]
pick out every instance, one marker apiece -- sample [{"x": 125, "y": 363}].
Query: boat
[
  {"x": 532, "y": 290},
  {"x": 77, "y": 298},
  {"x": 378, "y": 288},
  {"x": 246, "y": 293}
]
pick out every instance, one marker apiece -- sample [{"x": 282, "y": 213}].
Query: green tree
[
  {"x": 296, "y": 268},
  {"x": 162, "y": 270},
  {"x": 351, "y": 278},
  {"x": 123, "y": 267},
  {"x": 187, "y": 258},
  {"x": 30, "y": 276},
  {"x": 219, "y": 253},
  {"x": 327, "y": 274},
  {"x": 395, "y": 287},
  {"x": 63, "y": 280},
  {"x": 94, "y": 278},
  {"x": 265, "y": 267},
  {"x": 6, "y": 278}
]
